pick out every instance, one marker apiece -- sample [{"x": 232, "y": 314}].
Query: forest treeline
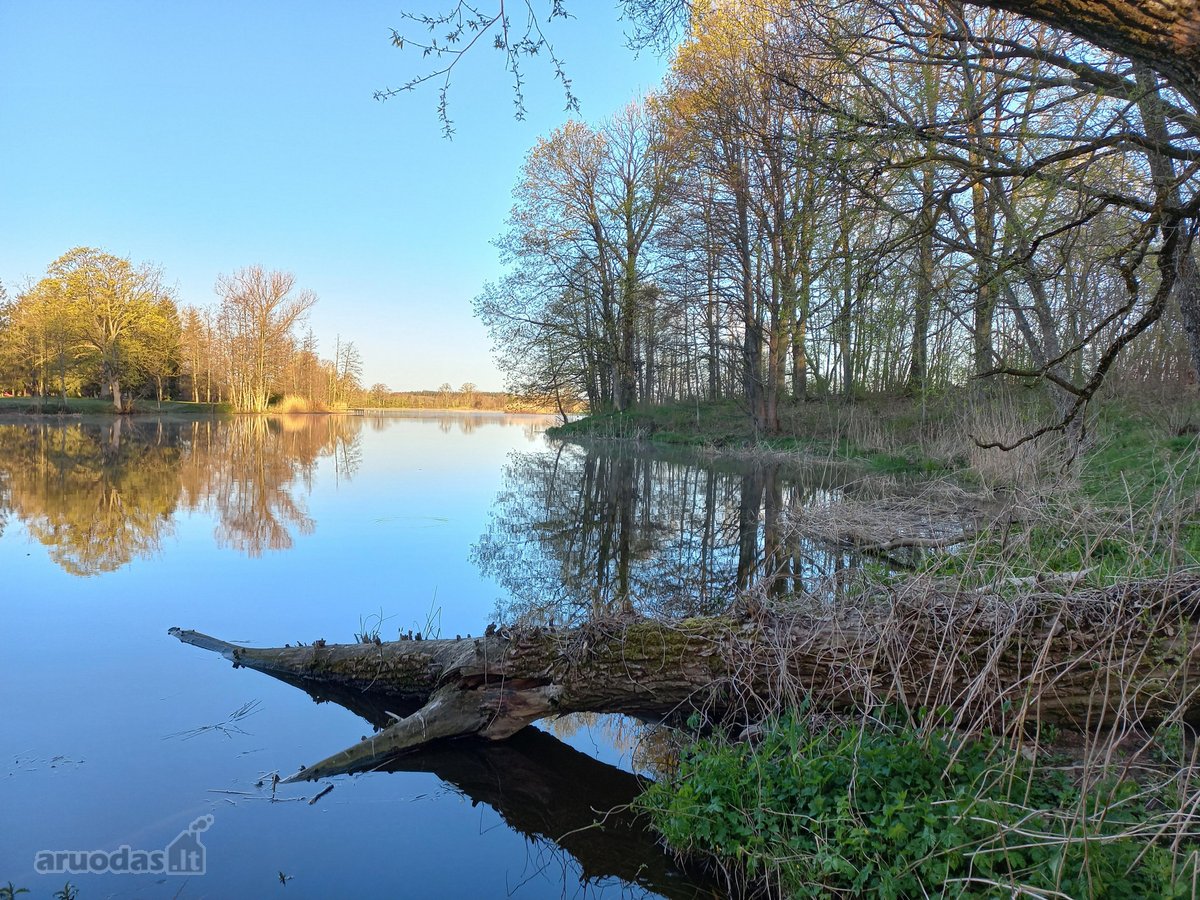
[
  {"x": 99, "y": 325},
  {"x": 860, "y": 198},
  {"x": 467, "y": 396}
]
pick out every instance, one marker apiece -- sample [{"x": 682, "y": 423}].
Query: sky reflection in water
[{"x": 277, "y": 530}]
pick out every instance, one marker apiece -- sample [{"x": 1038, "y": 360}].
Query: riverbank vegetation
[
  {"x": 98, "y": 406},
  {"x": 925, "y": 796},
  {"x": 940, "y": 241},
  {"x": 919, "y": 790},
  {"x": 468, "y": 396}
]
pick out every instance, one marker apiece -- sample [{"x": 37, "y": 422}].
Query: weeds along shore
[{"x": 942, "y": 795}]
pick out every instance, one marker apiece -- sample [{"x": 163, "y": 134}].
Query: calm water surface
[{"x": 271, "y": 531}]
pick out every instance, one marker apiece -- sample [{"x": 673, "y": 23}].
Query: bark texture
[
  {"x": 1165, "y": 34},
  {"x": 1093, "y": 658}
]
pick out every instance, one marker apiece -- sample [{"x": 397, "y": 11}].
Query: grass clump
[
  {"x": 814, "y": 810},
  {"x": 293, "y": 404}
]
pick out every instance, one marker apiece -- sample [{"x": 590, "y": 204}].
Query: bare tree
[{"x": 258, "y": 314}]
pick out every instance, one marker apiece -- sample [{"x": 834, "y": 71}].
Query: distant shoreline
[{"x": 95, "y": 411}]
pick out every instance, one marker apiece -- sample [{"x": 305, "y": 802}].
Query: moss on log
[{"x": 1087, "y": 659}]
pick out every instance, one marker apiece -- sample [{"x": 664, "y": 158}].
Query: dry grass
[
  {"x": 1094, "y": 671},
  {"x": 293, "y": 404}
]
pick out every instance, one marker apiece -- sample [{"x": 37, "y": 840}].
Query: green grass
[
  {"x": 820, "y": 429},
  {"x": 1139, "y": 452},
  {"x": 99, "y": 406},
  {"x": 1131, "y": 512},
  {"x": 721, "y": 423},
  {"x": 912, "y": 464},
  {"x": 854, "y": 809}
]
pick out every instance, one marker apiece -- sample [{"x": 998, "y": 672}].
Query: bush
[
  {"x": 292, "y": 404},
  {"x": 905, "y": 813}
]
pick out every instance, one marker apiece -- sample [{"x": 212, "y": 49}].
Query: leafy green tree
[
  {"x": 116, "y": 315},
  {"x": 379, "y": 394}
]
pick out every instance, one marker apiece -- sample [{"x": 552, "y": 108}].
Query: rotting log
[{"x": 1087, "y": 659}]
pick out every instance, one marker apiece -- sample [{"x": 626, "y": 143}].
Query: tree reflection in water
[
  {"x": 579, "y": 532},
  {"x": 462, "y": 421},
  {"x": 101, "y": 494}
]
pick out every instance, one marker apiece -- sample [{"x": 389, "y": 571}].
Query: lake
[{"x": 273, "y": 530}]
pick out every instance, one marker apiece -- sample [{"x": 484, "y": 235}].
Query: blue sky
[{"x": 203, "y": 137}]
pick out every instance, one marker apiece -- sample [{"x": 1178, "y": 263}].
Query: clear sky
[{"x": 203, "y": 137}]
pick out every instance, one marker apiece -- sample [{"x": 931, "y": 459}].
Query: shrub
[{"x": 291, "y": 404}]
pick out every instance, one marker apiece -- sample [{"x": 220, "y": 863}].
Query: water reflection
[
  {"x": 462, "y": 421},
  {"x": 101, "y": 494},
  {"x": 589, "y": 530},
  {"x": 563, "y": 801}
]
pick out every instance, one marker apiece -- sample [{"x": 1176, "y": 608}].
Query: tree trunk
[
  {"x": 1187, "y": 280},
  {"x": 918, "y": 370},
  {"x": 752, "y": 381},
  {"x": 1100, "y": 657},
  {"x": 1189, "y": 308},
  {"x": 712, "y": 323},
  {"x": 845, "y": 323}
]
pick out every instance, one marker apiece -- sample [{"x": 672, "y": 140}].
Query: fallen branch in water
[{"x": 1090, "y": 658}]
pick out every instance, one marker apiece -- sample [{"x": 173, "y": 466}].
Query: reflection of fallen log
[
  {"x": 1094, "y": 657},
  {"x": 545, "y": 790}
]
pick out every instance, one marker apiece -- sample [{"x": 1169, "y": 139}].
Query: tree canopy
[{"x": 860, "y": 197}]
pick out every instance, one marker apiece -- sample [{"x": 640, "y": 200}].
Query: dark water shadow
[{"x": 561, "y": 800}]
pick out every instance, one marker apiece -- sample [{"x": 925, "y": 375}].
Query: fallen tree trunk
[{"x": 1091, "y": 658}]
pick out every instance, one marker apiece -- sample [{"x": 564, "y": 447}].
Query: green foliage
[
  {"x": 9, "y": 891},
  {"x": 896, "y": 464},
  {"x": 1137, "y": 454},
  {"x": 69, "y": 892},
  {"x": 901, "y": 812}
]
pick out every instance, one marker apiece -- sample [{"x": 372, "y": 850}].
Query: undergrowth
[
  {"x": 852, "y": 809},
  {"x": 969, "y": 804}
]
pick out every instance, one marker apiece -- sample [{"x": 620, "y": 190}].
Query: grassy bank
[
  {"x": 96, "y": 406},
  {"x": 922, "y": 801},
  {"x": 890, "y": 435},
  {"x": 818, "y": 808},
  {"x": 1138, "y": 436}
]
